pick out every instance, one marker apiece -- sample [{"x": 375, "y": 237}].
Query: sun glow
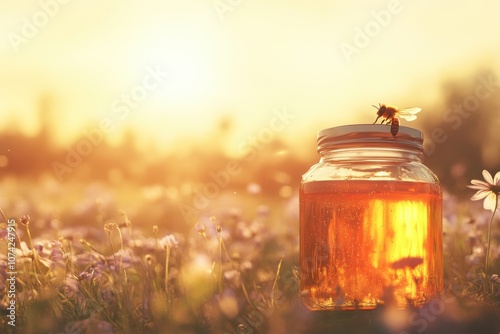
[{"x": 400, "y": 262}]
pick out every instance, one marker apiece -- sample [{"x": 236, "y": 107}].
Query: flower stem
[
  {"x": 221, "y": 241},
  {"x": 167, "y": 263},
  {"x": 487, "y": 264},
  {"x": 36, "y": 266}
]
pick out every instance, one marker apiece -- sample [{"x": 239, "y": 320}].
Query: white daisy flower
[{"x": 488, "y": 190}]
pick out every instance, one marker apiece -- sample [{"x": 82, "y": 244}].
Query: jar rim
[{"x": 375, "y": 135}]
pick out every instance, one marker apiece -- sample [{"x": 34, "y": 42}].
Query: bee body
[
  {"x": 394, "y": 126},
  {"x": 391, "y": 115}
]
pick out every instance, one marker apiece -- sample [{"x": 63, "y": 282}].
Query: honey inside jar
[{"x": 370, "y": 242}]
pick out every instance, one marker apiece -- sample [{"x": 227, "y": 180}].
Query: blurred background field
[
  {"x": 169, "y": 113},
  {"x": 61, "y": 183}
]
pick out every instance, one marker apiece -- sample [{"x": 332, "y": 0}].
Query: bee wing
[
  {"x": 409, "y": 118},
  {"x": 409, "y": 113}
]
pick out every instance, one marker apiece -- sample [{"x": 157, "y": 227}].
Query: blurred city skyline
[{"x": 168, "y": 71}]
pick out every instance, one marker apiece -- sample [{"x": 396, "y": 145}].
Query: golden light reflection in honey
[{"x": 369, "y": 242}]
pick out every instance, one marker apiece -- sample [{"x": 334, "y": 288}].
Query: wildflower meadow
[{"x": 233, "y": 270}]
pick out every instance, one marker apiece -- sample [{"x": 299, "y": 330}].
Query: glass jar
[{"x": 370, "y": 221}]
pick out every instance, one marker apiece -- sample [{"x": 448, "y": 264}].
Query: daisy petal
[
  {"x": 490, "y": 201},
  {"x": 479, "y": 183},
  {"x": 480, "y": 195},
  {"x": 476, "y": 187},
  {"x": 487, "y": 176},
  {"x": 496, "y": 180}
]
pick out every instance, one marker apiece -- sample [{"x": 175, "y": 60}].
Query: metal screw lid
[{"x": 369, "y": 135}]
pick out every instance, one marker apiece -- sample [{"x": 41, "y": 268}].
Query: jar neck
[
  {"x": 370, "y": 142},
  {"x": 370, "y": 154}
]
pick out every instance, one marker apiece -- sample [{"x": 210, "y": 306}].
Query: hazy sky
[{"x": 326, "y": 62}]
